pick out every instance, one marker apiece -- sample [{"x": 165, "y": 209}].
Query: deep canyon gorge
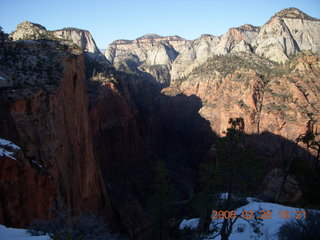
[{"x": 91, "y": 126}]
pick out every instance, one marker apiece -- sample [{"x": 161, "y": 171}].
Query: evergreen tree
[
  {"x": 160, "y": 200},
  {"x": 234, "y": 171},
  {"x": 1, "y": 35},
  {"x": 312, "y": 141}
]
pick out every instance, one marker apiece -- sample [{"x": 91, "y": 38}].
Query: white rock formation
[
  {"x": 154, "y": 49},
  {"x": 235, "y": 40},
  {"x": 284, "y": 35},
  {"x": 80, "y": 37},
  {"x": 28, "y": 31},
  {"x": 161, "y": 54},
  {"x": 287, "y": 33},
  {"x": 33, "y": 31}
]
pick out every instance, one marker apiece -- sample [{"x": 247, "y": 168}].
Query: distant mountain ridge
[
  {"x": 254, "y": 59},
  {"x": 286, "y": 33},
  {"x": 295, "y": 14},
  {"x": 33, "y": 31}
]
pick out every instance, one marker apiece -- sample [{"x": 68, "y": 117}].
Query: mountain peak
[
  {"x": 149, "y": 36},
  {"x": 248, "y": 27},
  {"x": 72, "y": 29},
  {"x": 28, "y": 31},
  {"x": 80, "y": 37},
  {"x": 294, "y": 13},
  {"x": 27, "y": 24}
]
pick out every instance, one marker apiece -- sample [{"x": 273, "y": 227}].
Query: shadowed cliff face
[
  {"x": 134, "y": 125},
  {"x": 45, "y": 113},
  {"x": 96, "y": 158},
  {"x": 27, "y": 191}
]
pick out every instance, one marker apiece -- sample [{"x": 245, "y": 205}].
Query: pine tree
[
  {"x": 160, "y": 200},
  {"x": 234, "y": 171}
]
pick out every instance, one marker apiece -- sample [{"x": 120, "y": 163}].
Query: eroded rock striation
[
  {"x": 286, "y": 33},
  {"x": 70, "y": 36},
  {"x": 80, "y": 37},
  {"x": 23, "y": 184},
  {"x": 239, "y": 68},
  {"x": 152, "y": 54},
  {"x": 283, "y": 36},
  {"x": 30, "y": 31},
  {"x": 45, "y": 112}
]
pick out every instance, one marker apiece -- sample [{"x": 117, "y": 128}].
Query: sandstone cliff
[
  {"x": 45, "y": 113},
  {"x": 217, "y": 68},
  {"x": 69, "y": 36},
  {"x": 27, "y": 190},
  {"x": 28, "y": 30},
  {"x": 134, "y": 125},
  {"x": 141, "y": 48},
  {"x": 100, "y": 157},
  {"x": 278, "y": 99},
  {"x": 286, "y": 33},
  {"x": 272, "y": 100},
  {"x": 80, "y": 37},
  {"x": 235, "y": 40},
  {"x": 176, "y": 53},
  {"x": 283, "y": 36},
  {"x": 150, "y": 53}
]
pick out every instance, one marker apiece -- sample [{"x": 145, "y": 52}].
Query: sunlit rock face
[
  {"x": 286, "y": 33},
  {"x": 80, "y": 37}
]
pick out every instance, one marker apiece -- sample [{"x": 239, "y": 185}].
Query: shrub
[
  {"x": 302, "y": 229},
  {"x": 80, "y": 227},
  {"x": 50, "y": 227}
]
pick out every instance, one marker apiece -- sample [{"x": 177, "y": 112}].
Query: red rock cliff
[{"x": 49, "y": 121}]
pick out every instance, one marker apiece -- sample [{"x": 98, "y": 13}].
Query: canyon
[{"x": 91, "y": 126}]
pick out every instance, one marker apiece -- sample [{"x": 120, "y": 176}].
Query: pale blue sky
[{"x": 109, "y": 20}]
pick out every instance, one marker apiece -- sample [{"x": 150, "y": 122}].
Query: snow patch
[
  {"x": 37, "y": 164},
  {"x": 251, "y": 199},
  {"x": 242, "y": 230},
  {"x": 2, "y": 78},
  {"x": 190, "y": 223},
  {"x": 224, "y": 196},
  {"x": 5, "y": 153},
  {"x": 4, "y": 146},
  {"x": 18, "y": 234},
  {"x": 4, "y": 142}
]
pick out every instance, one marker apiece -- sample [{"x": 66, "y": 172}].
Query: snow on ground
[
  {"x": 18, "y": 234},
  {"x": 4, "y": 145},
  {"x": 8, "y": 143},
  {"x": 6, "y": 153},
  {"x": 2, "y": 78},
  {"x": 269, "y": 228},
  {"x": 190, "y": 223}
]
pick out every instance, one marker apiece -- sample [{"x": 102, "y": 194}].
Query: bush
[
  {"x": 50, "y": 227},
  {"x": 80, "y": 227},
  {"x": 302, "y": 229}
]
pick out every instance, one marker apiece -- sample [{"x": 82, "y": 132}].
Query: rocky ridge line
[
  {"x": 283, "y": 36},
  {"x": 81, "y": 38}
]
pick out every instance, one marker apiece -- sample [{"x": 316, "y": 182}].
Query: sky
[{"x": 109, "y": 20}]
